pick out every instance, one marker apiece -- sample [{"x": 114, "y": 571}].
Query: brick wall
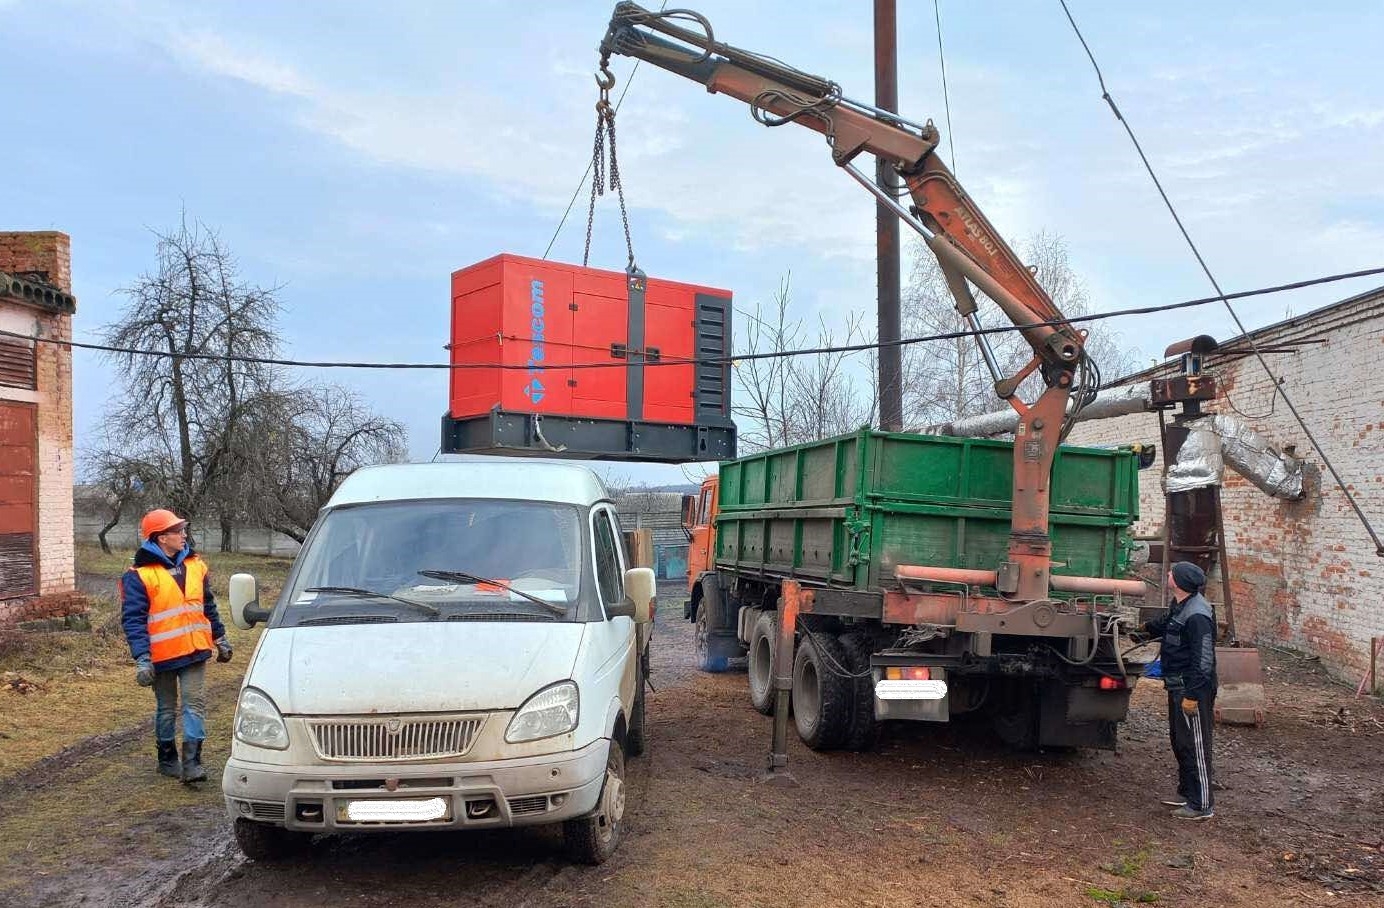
[
  {"x": 49, "y": 254},
  {"x": 1304, "y": 574}
]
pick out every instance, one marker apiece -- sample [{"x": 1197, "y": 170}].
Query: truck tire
[
  {"x": 863, "y": 732},
  {"x": 705, "y": 660},
  {"x": 761, "y": 662},
  {"x": 821, "y": 696},
  {"x": 593, "y": 839},
  {"x": 267, "y": 842}
]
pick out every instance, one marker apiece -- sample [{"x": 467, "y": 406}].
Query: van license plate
[{"x": 396, "y": 810}]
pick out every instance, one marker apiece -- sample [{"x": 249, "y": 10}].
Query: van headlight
[
  {"x": 257, "y": 721},
  {"x": 551, "y": 711}
]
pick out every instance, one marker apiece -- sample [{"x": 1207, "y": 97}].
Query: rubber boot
[
  {"x": 192, "y": 762},
  {"x": 168, "y": 760}
]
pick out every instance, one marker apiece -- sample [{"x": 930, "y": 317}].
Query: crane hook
[{"x": 605, "y": 79}]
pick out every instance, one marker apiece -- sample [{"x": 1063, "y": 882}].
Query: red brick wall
[
  {"x": 1305, "y": 573},
  {"x": 48, "y": 252}
]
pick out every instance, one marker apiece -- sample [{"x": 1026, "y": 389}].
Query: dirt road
[{"x": 936, "y": 816}]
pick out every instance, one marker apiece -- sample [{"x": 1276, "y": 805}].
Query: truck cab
[
  {"x": 716, "y": 645},
  {"x": 457, "y": 646}
]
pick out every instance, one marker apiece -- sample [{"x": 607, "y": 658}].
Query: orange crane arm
[{"x": 968, "y": 248}]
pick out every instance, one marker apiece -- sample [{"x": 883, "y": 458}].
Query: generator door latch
[
  {"x": 619, "y": 351},
  {"x": 651, "y": 354}
]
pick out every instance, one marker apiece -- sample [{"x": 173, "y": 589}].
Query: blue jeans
[{"x": 191, "y": 681}]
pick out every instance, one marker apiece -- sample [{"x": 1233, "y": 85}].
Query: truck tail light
[
  {"x": 1109, "y": 683},
  {"x": 908, "y": 673}
]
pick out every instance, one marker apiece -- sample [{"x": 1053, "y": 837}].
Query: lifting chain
[{"x": 600, "y": 184}]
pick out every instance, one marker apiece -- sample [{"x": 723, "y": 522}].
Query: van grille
[
  {"x": 521, "y": 806},
  {"x": 264, "y": 810},
  {"x": 394, "y": 738}
]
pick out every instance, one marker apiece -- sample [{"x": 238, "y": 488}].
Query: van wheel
[
  {"x": 821, "y": 696},
  {"x": 705, "y": 660},
  {"x": 265, "y": 842},
  {"x": 636, "y": 736},
  {"x": 863, "y": 732},
  {"x": 763, "y": 642},
  {"x": 593, "y": 839}
]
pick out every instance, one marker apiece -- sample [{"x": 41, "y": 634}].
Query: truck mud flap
[{"x": 1080, "y": 716}]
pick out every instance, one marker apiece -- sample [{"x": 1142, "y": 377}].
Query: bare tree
[
  {"x": 948, "y": 380},
  {"x": 788, "y": 400},
  {"x": 119, "y": 485},
  {"x": 305, "y": 442},
  {"x": 200, "y": 429},
  {"x": 179, "y": 412}
]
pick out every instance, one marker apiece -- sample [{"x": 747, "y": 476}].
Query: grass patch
[
  {"x": 1127, "y": 865},
  {"x": 86, "y": 680},
  {"x": 680, "y": 897},
  {"x": 1122, "y": 896}
]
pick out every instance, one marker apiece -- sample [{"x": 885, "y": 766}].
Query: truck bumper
[{"x": 499, "y": 793}]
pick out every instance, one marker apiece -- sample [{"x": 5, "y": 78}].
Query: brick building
[
  {"x": 37, "y": 575},
  {"x": 1304, "y": 574}
]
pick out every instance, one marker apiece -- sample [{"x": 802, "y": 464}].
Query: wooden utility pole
[{"x": 887, "y": 226}]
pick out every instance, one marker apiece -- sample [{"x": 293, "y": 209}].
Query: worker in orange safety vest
[{"x": 170, "y": 621}]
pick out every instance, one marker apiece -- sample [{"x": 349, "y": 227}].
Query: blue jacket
[
  {"x": 134, "y": 606},
  {"x": 1189, "y": 647}
]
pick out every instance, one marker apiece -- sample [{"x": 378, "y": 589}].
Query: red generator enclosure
[{"x": 558, "y": 360}]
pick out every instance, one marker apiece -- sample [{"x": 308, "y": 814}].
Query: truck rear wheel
[
  {"x": 864, "y": 730},
  {"x": 760, "y": 668},
  {"x": 705, "y": 660},
  {"x": 821, "y": 694}
]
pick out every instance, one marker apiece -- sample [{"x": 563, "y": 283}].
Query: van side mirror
[
  {"x": 640, "y": 587},
  {"x": 245, "y": 607}
]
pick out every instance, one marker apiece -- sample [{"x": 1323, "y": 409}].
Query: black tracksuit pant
[{"x": 1191, "y": 738}]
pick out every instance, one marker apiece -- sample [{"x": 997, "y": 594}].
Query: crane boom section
[{"x": 779, "y": 94}]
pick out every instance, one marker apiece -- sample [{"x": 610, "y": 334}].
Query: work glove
[
  {"x": 144, "y": 671},
  {"x": 1190, "y": 707},
  {"x": 223, "y": 649}
]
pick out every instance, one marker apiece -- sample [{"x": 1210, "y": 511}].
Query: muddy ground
[{"x": 935, "y": 816}]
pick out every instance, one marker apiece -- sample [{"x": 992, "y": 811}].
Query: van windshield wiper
[
  {"x": 372, "y": 594},
  {"x": 464, "y": 577}
]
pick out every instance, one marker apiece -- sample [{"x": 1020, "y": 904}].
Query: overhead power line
[
  {"x": 1221, "y": 295},
  {"x": 705, "y": 360},
  {"x": 946, "y": 97}
]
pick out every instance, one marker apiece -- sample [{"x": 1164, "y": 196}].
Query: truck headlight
[
  {"x": 257, "y": 721},
  {"x": 551, "y": 711}
]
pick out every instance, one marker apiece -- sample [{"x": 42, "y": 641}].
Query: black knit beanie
[{"x": 1189, "y": 577}]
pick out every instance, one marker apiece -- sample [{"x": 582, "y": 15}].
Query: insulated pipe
[
  {"x": 968, "y": 576},
  {"x": 1109, "y": 403},
  {"x": 976, "y": 577},
  {"x": 1098, "y": 585}
]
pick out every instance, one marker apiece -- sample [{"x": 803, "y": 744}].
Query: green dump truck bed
[{"x": 846, "y": 510}]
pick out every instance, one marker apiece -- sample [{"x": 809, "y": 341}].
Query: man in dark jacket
[
  {"x": 170, "y": 620},
  {"x": 1188, "y": 632}
]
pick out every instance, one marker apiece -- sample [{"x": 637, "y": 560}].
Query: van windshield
[{"x": 429, "y": 560}]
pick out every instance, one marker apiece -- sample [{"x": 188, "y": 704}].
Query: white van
[{"x": 457, "y": 646}]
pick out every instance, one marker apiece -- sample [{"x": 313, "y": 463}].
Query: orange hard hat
[{"x": 160, "y": 520}]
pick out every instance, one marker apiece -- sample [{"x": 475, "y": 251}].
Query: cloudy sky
[{"x": 357, "y": 153}]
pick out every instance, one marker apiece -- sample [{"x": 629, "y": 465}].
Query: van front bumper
[{"x": 519, "y": 792}]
